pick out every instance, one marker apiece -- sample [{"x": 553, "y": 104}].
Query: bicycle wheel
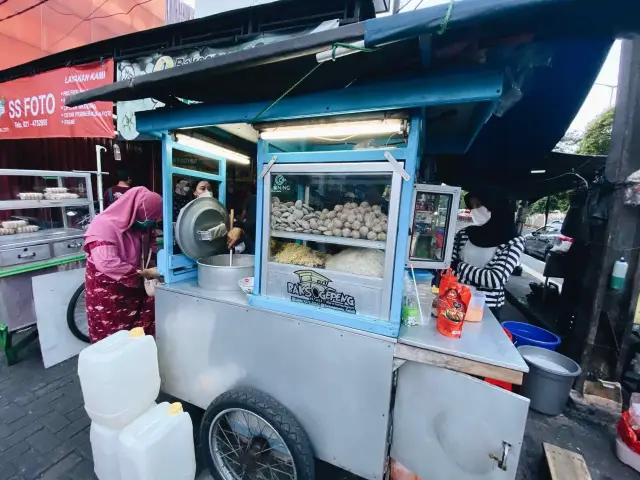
[
  {"x": 247, "y": 435},
  {"x": 77, "y": 315}
]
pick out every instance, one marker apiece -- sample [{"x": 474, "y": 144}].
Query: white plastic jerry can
[
  {"x": 104, "y": 448},
  {"x": 119, "y": 377},
  {"x": 158, "y": 446}
]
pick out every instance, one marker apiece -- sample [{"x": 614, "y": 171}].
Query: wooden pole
[{"x": 603, "y": 315}]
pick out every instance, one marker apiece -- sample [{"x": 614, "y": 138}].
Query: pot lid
[{"x": 200, "y": 214}]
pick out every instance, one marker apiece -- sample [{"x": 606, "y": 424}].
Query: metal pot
[{"x": 215, "y": 273}]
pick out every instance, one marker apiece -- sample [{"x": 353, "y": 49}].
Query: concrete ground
[{"x": 44, "y": 430}]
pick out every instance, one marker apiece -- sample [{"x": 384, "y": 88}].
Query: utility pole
[{"x": 603, "y": 317}]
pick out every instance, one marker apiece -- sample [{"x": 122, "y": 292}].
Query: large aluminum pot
[{"x": 215, "y": 273}]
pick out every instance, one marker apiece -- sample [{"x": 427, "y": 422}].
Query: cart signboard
[
  {"x": 313, "y": 289},
  {"x": 342, "y": 292}
]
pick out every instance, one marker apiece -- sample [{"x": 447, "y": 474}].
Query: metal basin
[{"x": 215, "y": 273}]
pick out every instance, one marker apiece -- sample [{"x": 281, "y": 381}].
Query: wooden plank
[
  {"x": 463, "y": 365},
  {"x": 564, "y": 464}
]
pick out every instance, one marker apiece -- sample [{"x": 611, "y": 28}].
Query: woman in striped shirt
[{"x": 485, "y": 254}]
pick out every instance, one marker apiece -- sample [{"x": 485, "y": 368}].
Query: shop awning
[
  {"x": 552, "y": 51},
  {"x": 552, "y": 173},
  {"x": 466, "y": 19}
]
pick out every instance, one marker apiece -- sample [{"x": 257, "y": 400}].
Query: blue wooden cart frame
[{"x": 413, "y": 94}]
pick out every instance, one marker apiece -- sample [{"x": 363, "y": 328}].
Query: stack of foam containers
[{"x": 132, "y": 438}]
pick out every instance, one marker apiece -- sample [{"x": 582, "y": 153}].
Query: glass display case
[
  {"x": 433, "y": 222},
  {"x": 329, "y": 235},
  {"x": 43, "y": 216}
]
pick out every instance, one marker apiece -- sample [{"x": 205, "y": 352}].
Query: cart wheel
[
  {"x": 77, "y": 315},
  {"x": 246, "y": 434}
]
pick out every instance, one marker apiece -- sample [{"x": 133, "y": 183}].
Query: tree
[
  {"x": 597, "y": 137},
  {"x": 569, "y": 143},
  {"x": 557, "y": 202},
  {"x": 462, "y": 205}
]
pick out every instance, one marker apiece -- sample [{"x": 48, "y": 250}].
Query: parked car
[{"x": 541, "y": 241}]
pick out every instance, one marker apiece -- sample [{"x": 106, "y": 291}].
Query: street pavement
[
  {"x": 44, "y": 430},
  {"x": 535, "y": 268}
]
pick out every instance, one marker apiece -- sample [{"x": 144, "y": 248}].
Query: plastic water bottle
[
  {"x": 619, "y": 274},
  {"x": 410, "y": 305}
]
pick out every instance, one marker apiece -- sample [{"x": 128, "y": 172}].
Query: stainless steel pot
[{"x": 215, "y": 273}]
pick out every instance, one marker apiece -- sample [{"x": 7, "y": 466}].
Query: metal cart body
[{"x": 336, "y": 381}]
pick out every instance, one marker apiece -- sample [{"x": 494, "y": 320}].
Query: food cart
[
  {"x": 322, "y": 337},
  {"x": 327, "y": 343},
  {"x": 315, "y": 361},
  {"x": 33, "y": 244}
]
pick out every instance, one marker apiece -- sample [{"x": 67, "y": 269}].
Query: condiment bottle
[{"x": 619, "y": 274}]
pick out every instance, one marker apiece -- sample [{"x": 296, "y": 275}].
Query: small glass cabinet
[{"x": 433, "y": 224}]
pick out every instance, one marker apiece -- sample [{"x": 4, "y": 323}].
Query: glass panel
[
  {"x": 432, "y": 212},
  {"x": 43, "y": 220},
  {"x": 186, "y": 189},
  {"x": 191, "y": 161},
  {"x": 78, "y": 217},
  {"x": 333, "y": 221}
]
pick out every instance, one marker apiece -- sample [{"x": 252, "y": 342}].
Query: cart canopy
[{"x": 550, "y": 50}]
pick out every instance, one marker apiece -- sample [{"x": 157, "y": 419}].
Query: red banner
[{"x": 33, "y": 107}]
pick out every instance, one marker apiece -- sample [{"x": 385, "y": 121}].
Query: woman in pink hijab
[{"x": 115, "y": 295}]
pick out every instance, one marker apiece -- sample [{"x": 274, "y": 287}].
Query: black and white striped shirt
[{"x": 492, "y": 278}]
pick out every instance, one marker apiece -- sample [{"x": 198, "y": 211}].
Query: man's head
[{"x": 124, "y": 177}]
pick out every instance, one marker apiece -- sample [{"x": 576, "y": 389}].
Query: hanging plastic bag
[{"x": 628, "y": 435}]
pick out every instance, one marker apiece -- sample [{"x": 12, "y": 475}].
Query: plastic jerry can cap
[
  {"x": 136, "y": 332},
  {"x": 175, "y": 408}
]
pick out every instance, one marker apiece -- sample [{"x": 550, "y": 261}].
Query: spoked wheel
[
  {"x": 247, "y": 435},
  {"x": 77, "y": 315}
]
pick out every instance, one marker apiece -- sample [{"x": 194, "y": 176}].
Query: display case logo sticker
[
  {"x": 280, "y": 185},
  {"x": 313, "y": 289}
]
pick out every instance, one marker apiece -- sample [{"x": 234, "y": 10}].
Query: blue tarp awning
[{"x": 550, "y": 50}]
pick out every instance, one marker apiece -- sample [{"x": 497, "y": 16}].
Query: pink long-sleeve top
[{"x": 104, "y": 257}]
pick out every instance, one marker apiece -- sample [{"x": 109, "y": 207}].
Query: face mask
[
  {"x": 480, "y": 215},
  {"x": 145, "y": 224},
  {"x": 206, "y": 193}
]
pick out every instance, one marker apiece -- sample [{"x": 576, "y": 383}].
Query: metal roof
[
  {"x": 468, "y": 19},
  {"x": 551, "y": 49},
  {"x": 221, "y": 30}
]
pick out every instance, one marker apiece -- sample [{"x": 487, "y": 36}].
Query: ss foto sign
[{"x": 34, "y": 107}]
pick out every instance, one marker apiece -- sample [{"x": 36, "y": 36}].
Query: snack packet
[{"x": 452, "y": 307}]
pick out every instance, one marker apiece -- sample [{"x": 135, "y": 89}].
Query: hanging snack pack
[{"x": 452, "y": 306}]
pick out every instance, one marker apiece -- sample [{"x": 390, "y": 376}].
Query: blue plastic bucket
[{"x": 525, "y": 334}]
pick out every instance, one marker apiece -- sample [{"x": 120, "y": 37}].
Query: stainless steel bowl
[{"x": 215, "y": 273}]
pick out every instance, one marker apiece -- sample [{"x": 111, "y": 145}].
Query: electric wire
[{"x": 24, "y": 10}]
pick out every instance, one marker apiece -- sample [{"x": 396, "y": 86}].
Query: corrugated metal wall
[{"x": 142, "y": 158}]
